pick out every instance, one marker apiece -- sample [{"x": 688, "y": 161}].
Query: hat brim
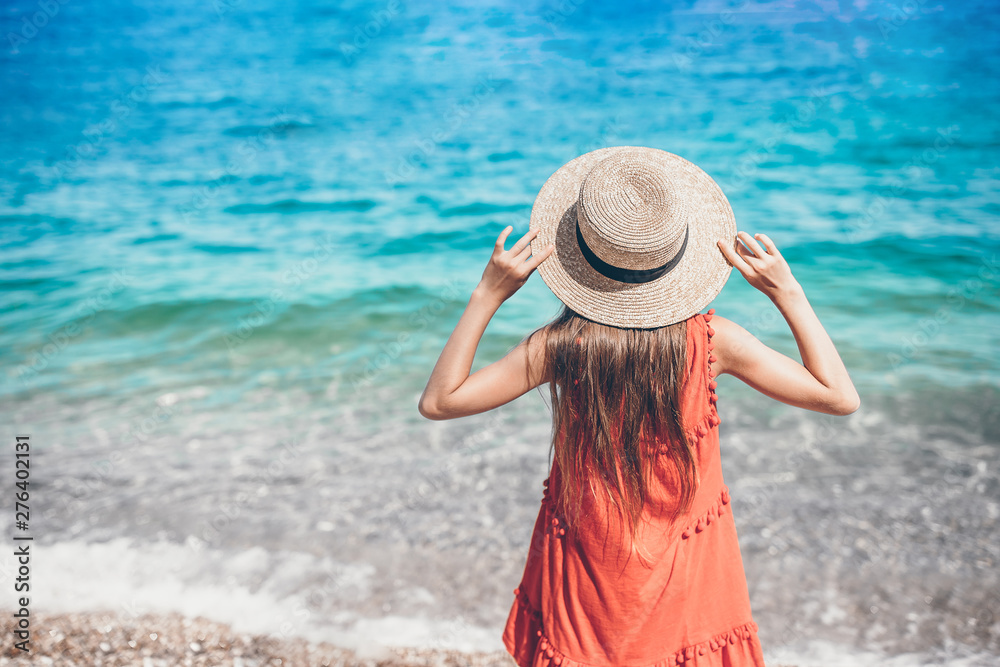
[{"x": 686, "y": 289}]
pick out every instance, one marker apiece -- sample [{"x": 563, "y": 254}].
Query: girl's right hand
[{"x": 764, "y": 268}]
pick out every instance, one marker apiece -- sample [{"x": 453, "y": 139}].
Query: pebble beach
[
  {"x": 110, "y": 639},
  {"x": 160, "y": 640}
]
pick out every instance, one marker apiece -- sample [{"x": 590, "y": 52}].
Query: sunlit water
[{"x": 235, "y": 237}]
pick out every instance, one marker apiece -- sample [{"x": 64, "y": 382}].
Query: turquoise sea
[{"x": 235, "y": 235}]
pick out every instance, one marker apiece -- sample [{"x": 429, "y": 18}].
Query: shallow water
[{"x": 231, "y": 254}]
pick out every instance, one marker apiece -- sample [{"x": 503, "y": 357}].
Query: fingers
[
  {"x": 522, "y": 242},
  {"x": 534, "y": 249},
  {"x": 735, "y": 259},
  {"x": 745, "y": 252},
  {"x": 769, "y": 244},
  {"x": 524, "y": 254},
  {"x": 523, "y": 249},
  {"x": 502, "y": 239},
  {"x": 752, "y": 244},
  {"x": 540, "y": 257}
]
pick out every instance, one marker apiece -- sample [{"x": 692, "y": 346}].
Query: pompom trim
[
  {"x": 713, "y": 397},
  {"x": 717, "y": 509},
  {"x": 532, "y": 647}
]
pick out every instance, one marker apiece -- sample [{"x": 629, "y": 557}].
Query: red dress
[{"x": 583, "y": 604}]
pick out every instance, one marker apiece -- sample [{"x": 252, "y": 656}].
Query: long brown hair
[{"x": 615, "y": 392}]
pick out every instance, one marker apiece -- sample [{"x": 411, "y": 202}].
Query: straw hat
[{"x": 634, "y": 230}]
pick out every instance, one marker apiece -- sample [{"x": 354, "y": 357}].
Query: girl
[{"x": 634, "y": 558}]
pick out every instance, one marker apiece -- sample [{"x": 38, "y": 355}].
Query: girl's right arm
[{"x": 820, "y": 382}]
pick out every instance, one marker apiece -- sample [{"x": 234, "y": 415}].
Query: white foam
[
  {"x": 817, "y": 653},
  {"x": 269, "y": 593},
  {"x": 280, "y": 594}
]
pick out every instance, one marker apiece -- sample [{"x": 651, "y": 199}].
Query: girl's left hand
[{"x": 507, "y": 270}]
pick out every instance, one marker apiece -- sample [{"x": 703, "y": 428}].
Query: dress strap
[{"x": 712, "y": 417}]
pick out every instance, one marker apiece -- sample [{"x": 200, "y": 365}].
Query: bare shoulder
[
  {"x": 732, "y": 345},
  {"x": 535, "y": 345},
  {"x": 537, "y": 339}
]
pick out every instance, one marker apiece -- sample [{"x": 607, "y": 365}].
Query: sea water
[{"x": 236, "y": 235}]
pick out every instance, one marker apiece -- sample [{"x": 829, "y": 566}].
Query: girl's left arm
[{"x": 451, "y": 392}]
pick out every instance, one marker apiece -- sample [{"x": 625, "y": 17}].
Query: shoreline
[{"x": 111, "y": 639}]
